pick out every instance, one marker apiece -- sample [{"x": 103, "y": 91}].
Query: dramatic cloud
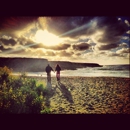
[
  {"x": 2, "y": 48},
  {"x": 67, "y": 24},
  {"x": 127, "y": 22},
  {"x": 85, "y": 39},
  {"x": 106, "y": 47},
  {"x": 125, "y": 37},
  {"x": 123, "y": 50},
  {"x": 78, "y": 54},
  {"x": 64, "y": 54},
  {"x": 57, "y": 47},
  {"x": 50, "y": 53},
  {"x": 81, "y": 46},
  {"x": 8, "y": 41},
  {"x": 128, "y": 32},
  {"x": 110, "y": 31},
  {"x": 119, "y": 18},
  {"x": 17, "y": 51},
  {"x": 123, "y": 45},
  {"x": 15, "y": 23},
  {"x": 113, "y": 54}
]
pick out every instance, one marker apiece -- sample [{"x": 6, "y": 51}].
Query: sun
[{"x": 47, "y": 38}]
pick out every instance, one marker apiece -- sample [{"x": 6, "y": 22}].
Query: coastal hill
[
  {"x": 24, "y": 64},
  {"x": 65, "y": 65},
  {"x": 39, "y": 64}
]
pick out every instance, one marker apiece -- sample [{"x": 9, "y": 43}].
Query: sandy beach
[{"x": 89, "y": 95}]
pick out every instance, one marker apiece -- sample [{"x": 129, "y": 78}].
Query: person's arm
[{"x": 52, "y": 70}]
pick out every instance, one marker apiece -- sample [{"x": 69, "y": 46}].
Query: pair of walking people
[{"x": 49, "y": 69}]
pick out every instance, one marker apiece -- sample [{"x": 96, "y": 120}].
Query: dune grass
[{"x": 20, "y": 94}]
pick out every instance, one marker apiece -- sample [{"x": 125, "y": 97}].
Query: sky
[{"x": 88, "y": 39}]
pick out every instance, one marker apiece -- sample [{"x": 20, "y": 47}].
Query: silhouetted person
[
  {"x": 58, "y": 69},
  {"x": 48, "y": 71}
]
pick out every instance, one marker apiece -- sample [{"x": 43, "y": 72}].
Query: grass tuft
[{"x": 20, "y": 94}]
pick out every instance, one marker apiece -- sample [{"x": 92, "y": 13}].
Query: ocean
[{"x": 105, "y": 71}]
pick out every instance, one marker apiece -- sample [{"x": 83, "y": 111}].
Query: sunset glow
[
  {"x": 99, "y": 39},
  {"x": 47, "y": 38}
]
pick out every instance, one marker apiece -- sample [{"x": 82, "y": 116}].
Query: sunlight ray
[
  {"x": 18, "y": 49},
  {"x": 77, "y": 29}
]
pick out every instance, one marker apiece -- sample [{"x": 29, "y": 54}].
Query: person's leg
[
  {"x": 58, "y": 76},
  {"x": 48, "y": 77},
  {"x": 49, "y": 81}
]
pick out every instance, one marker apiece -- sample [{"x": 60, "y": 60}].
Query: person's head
[
  {"x": 57, "y": 65},
  {"x": 48, "y": 65}
]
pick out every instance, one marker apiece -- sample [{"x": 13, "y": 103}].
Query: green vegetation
[{"x": 21, "y": 94}]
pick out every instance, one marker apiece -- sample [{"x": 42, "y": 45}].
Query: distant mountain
[{"x": 39, "y": 64}]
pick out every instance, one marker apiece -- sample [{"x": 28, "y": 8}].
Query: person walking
[
  {"x": 58, "y": 69},
  {"x": 48, "y": 71}
]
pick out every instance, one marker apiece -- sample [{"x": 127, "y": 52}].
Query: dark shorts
[
  {"x": 58, "y": 75},
  {"x": 58, "y": 72}
]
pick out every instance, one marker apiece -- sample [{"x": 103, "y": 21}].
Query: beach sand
[{"x": 89, "y": 95}]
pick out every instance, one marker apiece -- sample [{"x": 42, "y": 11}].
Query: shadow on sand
[
  {"x": 65, "y": 92},
  {"x": 51, "y": 92}
]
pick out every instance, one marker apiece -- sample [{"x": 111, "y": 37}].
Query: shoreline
[{"x": 44, "y": 76}]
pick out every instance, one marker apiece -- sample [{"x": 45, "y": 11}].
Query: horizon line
[{"x": 67, "y": 61}]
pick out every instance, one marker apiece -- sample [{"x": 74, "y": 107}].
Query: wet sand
[{"x": 89, "y": 95}]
